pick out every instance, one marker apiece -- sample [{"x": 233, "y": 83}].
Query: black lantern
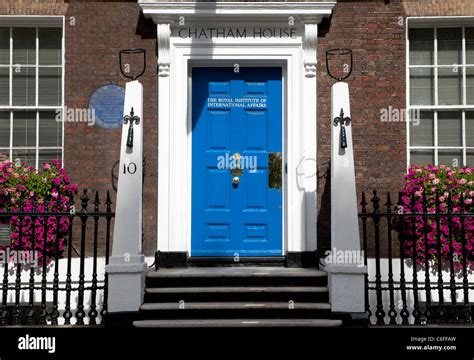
[
  {"x": 341, "y": 119},
  {"x": 132, "y": 52},
  {"x": 340, "y": 53},
  {"x": 132, "y": 118}
]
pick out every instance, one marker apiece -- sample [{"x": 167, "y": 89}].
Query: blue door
[{"x": 236, "y": 162}]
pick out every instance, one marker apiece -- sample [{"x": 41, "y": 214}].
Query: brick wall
[
  {"x": 373, "y": 31},
  {"x": 95, "y": 33}
]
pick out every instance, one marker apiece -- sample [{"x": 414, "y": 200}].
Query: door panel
[{"x": 235, "y": 114}]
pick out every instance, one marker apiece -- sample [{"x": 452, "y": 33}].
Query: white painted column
[
  {"x": 346, "y": 278},
  {"x": 310, "y": 134},
  {"x": 164, "y": 135},
  {"x": 127, "y": 264}
]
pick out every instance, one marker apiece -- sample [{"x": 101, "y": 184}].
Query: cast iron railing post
[
  {"x": 67, "y": 309},
  {"x": 465, "y": 282},
  {"x": 392, "y": 313},
  {"x": 16, "y": 317},
  {"x": 416, "y": 306},
  {"x": 428, "y": 312},
  {"x": 379, "y": 313},
  {"x": 4, "y": 309},
  {"x": 30, "y": 314},
  {"x": 44, "y": 311},
  {"x": 441, "y": 313},
  {"x": 104, "y": 310},
  {"x": 452, "y": 279},
  {"x": 93, "y": 307},
  {"x": 80, "y": 313},
  {"x": 55, "y": 311},
  {"x": 404, "y": 314},
  {"x": 363, "y": 203}
]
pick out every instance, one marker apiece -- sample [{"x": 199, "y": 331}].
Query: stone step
[
  {"x": 234, "y": 323},
  {"x": 236, "y": 276},
  {"x": 237, "y": 289},
  {"x": 214, "y": 272},
  {"x": 237, "y": 294},
  {"x": 235, "y": 310},
  {"x": 234, "y": 306}
]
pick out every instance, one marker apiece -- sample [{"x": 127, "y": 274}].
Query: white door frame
[{"x": 175, "y": 55}]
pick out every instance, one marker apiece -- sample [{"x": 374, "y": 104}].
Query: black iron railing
[
  {"x": 83, "y": 234},
  {"x": 419, "y": 256}
]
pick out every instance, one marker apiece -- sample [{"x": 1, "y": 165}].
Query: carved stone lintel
[
  {"x": 309, "y": 45},
  {"x": 163, "y": 37}
]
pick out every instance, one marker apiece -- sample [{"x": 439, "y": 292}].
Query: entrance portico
[{"x": 236, "y": 35}]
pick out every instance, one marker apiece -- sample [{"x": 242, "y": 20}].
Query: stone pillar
[
  {"x": 345, "y": 262},
  {"x": 127, "y": 265}
]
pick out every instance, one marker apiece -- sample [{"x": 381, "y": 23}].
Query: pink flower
[
  {"x": 463, "y": 181},
  {"x": 436, "y": 181},
  {"x": 468, "y": 201},
  {"x": 54, "y": 194},
  {"x": 432, "y": 176}
]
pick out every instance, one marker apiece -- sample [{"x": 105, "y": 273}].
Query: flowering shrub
[
  {"x": 449, "y": 184},
  {"x": 22, "y": 188}
]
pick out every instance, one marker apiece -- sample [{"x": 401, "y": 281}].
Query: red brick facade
[
  {"x": 375, "y": 30},
  {"x": 101, "y": 30}
]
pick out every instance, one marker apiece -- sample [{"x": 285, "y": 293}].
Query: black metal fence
[
  {"x": 86, "y": 233},
  {"x": 419, "y": 256}
]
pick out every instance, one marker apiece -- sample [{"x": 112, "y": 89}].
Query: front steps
[{"x": 236, "y": 297}]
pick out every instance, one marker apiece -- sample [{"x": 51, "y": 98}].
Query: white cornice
[{"x": 171, "y": 11}]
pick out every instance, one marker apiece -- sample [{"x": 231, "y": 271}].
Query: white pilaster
[
  {"x": 310, "y": 133},
  {"x": 164, "y": 135}
]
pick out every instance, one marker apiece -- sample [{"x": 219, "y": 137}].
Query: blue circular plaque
[{"x": 107, "y": 104}]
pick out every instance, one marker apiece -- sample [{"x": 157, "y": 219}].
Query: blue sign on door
[{"x": 236, "y": 135}]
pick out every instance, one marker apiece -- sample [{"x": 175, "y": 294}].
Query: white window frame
[
  {"x": 436, "y": 22},
  {"x": 35, "y": 22}
]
